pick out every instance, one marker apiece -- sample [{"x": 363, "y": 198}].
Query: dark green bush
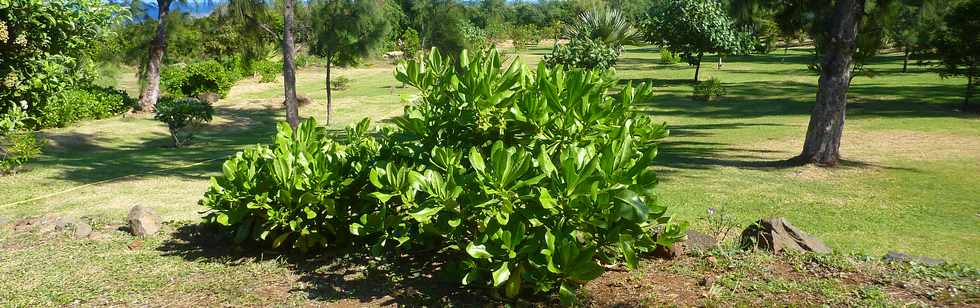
[
  {"x": 84, "y": 104},
  {"x": 183, "y": 116},
  {"x": 528, "y": 182},
  {"x": 583, "y": 53},
  {"x": 708, "y": 90},
  {"x": 340, "y": 83},
  {"x": 196, "y": 78}
]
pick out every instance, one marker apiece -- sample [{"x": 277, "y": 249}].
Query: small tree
[
  {"x": 345, "y": 32},
  {"x": 959, "y": 46},
  {"x": 694, "y": 27}
]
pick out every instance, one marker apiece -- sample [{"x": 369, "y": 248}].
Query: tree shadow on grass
[
  {"x": 342, "y": 277},
  {"x": 86, "y": 158}
]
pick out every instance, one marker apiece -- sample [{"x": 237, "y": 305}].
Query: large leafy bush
[
  {"x": 529, "y": 181},
  {"x": 583, "y": 53},
  {"x": 46, "y": 46},
  {"x": 196, "y": 78},
  {"x": 83, "y": 104}
]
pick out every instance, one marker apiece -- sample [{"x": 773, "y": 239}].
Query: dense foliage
[
  {"x": 84, "y": 104},
  {"x": 183, "y": 116},
  {"x": 595, "y": 40},
  {"x": 46, "y": 48},
  {"x": 529, "y": 181},
  {"x": 694, "y": 27},
  {"x": 959, "y": 46},
  {"x": 197, "y": 78}
]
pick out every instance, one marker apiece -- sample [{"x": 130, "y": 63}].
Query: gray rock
[
  {"x": 77, "y": 227},
  {"x": 208, "y": 97},
  {"x": 894, "y": 256},
  {"x": 697, "y": 241},
  {"x": 778, "y": 235},
  {"x": 143, "y": 221}
]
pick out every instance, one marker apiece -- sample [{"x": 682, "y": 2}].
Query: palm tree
[{"x": 605, "y": 25}]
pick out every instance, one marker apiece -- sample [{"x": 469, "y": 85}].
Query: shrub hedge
[{"x": 196, "y": 78}]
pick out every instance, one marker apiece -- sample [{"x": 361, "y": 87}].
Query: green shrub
[
  {"x": 268, "y": 70},
  {"x": 339, "y": 83},
  {"x": 303, "y": 192},
  {"x": 84, "y": 104},
  {"x": 669, "y": 57},
  {"x": 708, "y": 90},
  {"x": 16, "y": 148},
  {"x": 196, "y": 78},
  {"x": 183, "y": 116},
  {"x": 528, "y": 182},
  {"x": 409, "y": 43},
  {"x": 583, "y": 53}
]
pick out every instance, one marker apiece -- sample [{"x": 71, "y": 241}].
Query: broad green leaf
[
  {"x": 501, "y": 275},
  {"x": 478, "y": 251}
]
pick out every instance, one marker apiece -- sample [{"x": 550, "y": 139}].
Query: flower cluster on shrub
[
  {"x": 530, "y": 182},
  {"x": 196, "y": 78}
]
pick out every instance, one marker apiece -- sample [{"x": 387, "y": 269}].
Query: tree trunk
[
  {"x": 719, "y": 61},
  {"x": 288, "y": 65},
  {"x": 329, "y": 89},
  {"x": 822, "y": 144},
  {"x": 905, "y": 63},
  {"x": 697, "y": 70},
  {"x": 150, "y": 95}
]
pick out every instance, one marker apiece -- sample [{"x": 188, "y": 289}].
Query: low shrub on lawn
[
  {"x": 709, "y": 90},
  {"x": 183, "y": 116},
  {"x": 529, "y": 181},
  {"x": 84, "y": 104}
]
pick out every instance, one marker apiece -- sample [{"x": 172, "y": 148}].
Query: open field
[{"x": 909, "y": 184}]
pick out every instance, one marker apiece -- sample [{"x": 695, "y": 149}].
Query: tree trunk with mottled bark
[
  {"x": 289, "y": 65},
  {"x": 823, "y": 135},
  {"x": 150, "y": 95}
]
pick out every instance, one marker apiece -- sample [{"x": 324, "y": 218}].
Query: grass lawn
[{"x": 909, "y": 183}]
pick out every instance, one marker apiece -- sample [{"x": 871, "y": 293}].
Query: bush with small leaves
[
  {"x": 84, "y": 104},
  {"x": 340, "y": 83},
  {"x": 268, "y": 70},
  {"x": 709, "y": 90},
  {"x": 196, "y": 78},
  {"x": 583, "y": 53},
  {"x": 183, "y": 116}
]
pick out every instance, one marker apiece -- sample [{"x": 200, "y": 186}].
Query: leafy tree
[
  {"x": 346, "y": 32},
  {"x": 959, "y": 46},
  {"x": 694, "y": 27},
  {"x": 46, "y": 47},
  {"x": 914, "y": 25}
]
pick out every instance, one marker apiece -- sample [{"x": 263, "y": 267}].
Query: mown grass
[{"x": 908, "y": 182}]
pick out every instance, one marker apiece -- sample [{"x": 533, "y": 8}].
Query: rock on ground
[
  {"x": 143, "y": 221},
  {"x": 778, "y": 235},
  {"x": 77, "y": 227},
  {"x": 208, "y": 97},
  {"x": 697, "y": 241},
  {"x": 894, "y": 256}
]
